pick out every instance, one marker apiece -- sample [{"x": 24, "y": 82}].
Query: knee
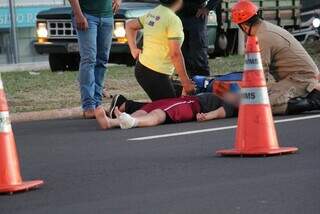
[
  {"x": 88, "y": 59},
  {"x": 102, "y": 61},
  {"x": 159, "y": 116},
  {"x": 279, "y": 109},
  {"x": 279, "y": 103}
]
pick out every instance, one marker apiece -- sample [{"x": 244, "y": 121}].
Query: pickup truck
[
  {"x": 309, "y": 29},
  {"x": 57, "y": 37}
]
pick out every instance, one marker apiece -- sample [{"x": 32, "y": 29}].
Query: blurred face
[
  {"x": 233, "y": 98},
  {"x": 178, "y": 5}
]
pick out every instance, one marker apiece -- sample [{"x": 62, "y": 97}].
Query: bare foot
[{"x": 101, "y": 117}]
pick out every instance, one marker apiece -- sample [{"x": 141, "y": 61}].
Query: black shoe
[
  {"x": 314, "y": 96},
  {"x": 314, "y": 99},
  {"x": 302, "y": 104},
  {"x": 117, "y": 101}
]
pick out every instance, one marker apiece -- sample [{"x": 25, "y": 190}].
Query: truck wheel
[
  {"x": 72, "y": 62},
  {"x": 64, "y": 62},
  {"x": 57, "y": 62}
]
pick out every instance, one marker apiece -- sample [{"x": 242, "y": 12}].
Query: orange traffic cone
[
  {"x": 10, "y": 178},
  {"x": 256, "y": 134}
]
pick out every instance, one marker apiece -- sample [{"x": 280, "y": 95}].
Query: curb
[
  {"x": 21, "y": 67},
  {"x": 55, "y": 114},
  {"x": 69, "y": 113}
]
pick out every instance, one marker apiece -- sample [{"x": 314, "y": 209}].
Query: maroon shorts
[{"x": 178, "y": 110}]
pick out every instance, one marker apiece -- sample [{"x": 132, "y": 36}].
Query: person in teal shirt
[{"x": 93, "y": 21}]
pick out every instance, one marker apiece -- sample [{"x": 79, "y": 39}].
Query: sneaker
[
  {"x": 127, "y": 122},
  {"x": 117, "y": 101}
]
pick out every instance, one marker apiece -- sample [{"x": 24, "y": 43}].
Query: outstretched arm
[{"x": 212, "y": 115}]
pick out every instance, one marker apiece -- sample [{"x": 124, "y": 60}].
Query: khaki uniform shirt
[
  {"x": 290, "y": 71},
  {"x": 284, "y": 57}
]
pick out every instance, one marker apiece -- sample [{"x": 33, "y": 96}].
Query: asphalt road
[{"x": 92, "y": 171}]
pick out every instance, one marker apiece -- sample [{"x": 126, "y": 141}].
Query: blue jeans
[{"x": 94, "y": 44}]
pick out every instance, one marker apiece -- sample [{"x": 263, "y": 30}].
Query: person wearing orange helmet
[{"x": 290, "y": 71}]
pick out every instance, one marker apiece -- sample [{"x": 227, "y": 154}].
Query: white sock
[{"x": 127, "y": 122}]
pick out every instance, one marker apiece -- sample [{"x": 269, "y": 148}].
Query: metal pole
[{"x": 13, "y": 32}]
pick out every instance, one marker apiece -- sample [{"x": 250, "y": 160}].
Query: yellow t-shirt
[{"x": 160, "y": 25}]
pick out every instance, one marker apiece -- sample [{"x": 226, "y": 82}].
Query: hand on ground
[{"x": 201, "y": 117}]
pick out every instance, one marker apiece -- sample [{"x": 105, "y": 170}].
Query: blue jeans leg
[
  {"x": 94, "y": 44},
  {"x": 88, "y": 51},
  {"x": 104, "y": 40}
]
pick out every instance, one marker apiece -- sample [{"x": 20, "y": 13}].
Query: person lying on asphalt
[
  {"x": 292, "y": 75},
  {"x": 202, "y": 107}
]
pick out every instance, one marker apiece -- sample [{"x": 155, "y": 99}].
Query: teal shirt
[{"x": 100, "y": 8}]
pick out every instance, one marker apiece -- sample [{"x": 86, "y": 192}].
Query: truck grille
[{"x": 61, "y": 29}]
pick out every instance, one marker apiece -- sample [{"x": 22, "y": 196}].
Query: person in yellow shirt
[{"x": 161, "y": 54}]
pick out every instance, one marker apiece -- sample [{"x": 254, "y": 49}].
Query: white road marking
[{"x": 216, "y": 129}]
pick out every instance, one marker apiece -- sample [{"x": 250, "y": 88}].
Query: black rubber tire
[
  {"x": 57, "y": 62},
  {"x": 64, "y": 62},
  {"x": 73, "y": 61}
]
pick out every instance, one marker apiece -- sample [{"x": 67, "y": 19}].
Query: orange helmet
[{"x": 243, "y": 10}]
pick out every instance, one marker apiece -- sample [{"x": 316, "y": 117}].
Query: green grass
[
  {"x": 222, "y": 65},
  {"x": 46, "y": 90},
  {"x": 28, "y": 92}
]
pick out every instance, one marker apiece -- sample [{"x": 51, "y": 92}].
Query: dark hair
[{"x": 168, "y": 3}]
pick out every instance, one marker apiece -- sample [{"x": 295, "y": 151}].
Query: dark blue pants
[{"x": 195, "y": 46}]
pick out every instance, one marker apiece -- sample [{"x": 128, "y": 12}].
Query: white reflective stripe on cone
[
  {"x": 254, "y": 96},
  {"x": 253, "y": 62},
  {"x": 1, "y": 84},
  {"x": 5, "y": 124}
]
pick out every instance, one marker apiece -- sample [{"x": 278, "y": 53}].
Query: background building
[{"x": 26, "y": 11}]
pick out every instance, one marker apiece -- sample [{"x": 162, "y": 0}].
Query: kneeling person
[
  {"x": 202, "y": 107},
  {"x": 296, "y": 88}
]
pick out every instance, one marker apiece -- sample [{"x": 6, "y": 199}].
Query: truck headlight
[
  {"x": 316, "y": 22},
  {"x": 42, "y": 31},
  {"x": 119, "y": 30}
]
